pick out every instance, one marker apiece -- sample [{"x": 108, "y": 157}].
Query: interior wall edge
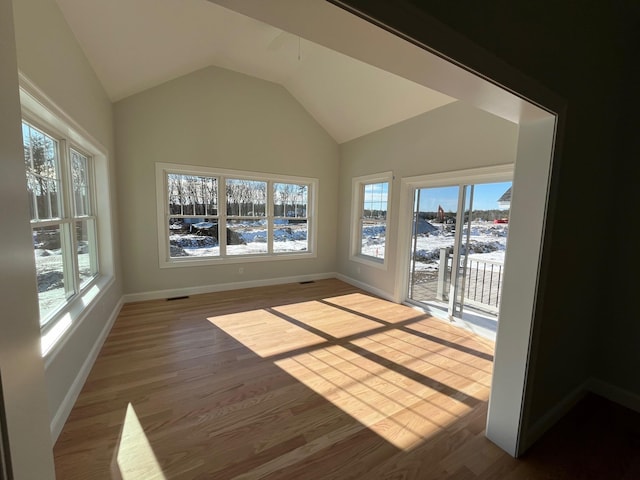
[
  {"x": 536, "y": 430},
  {"x": 367, "y": 287}
]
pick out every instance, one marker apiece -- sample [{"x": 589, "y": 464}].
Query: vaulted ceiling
[{"x": 134, "y": 45}]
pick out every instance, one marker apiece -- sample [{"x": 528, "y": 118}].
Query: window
[
  {"x": 63, "y": 222},
  {"x": 67, "y": 187},
  {"x": 207, "y": 215},
  {"x": 371, "y": 196}
]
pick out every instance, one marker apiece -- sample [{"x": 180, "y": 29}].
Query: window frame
[
  {"x": 358, "y": 185},
  {"x": 163, "y": 215},
  {"x": 43, "y": 114},
  {"x": 67, "y": 219}
]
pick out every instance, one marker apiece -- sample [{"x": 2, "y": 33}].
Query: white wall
[
  {"x": 50, "y": 57},
  {"x": 21, "y": 365},
  {"x": 216, "y": 118},
  {"x": 454, "y": 137}
]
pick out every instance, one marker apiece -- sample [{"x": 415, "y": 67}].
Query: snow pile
[
  {"x": 192, "y": 241},
  {"x": 487, "y": 241}
]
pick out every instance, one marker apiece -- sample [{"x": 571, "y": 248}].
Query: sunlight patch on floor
[
  {"x": 367, "y": 305},
  {"x": 382, "y": 400},
  {"x": 328, "y": 319},
  {"x": 134, "y": 455},
  {"x": 391, "y": 380},
  {"x": 266, "y": 333}
]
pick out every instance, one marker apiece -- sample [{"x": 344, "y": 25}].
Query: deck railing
[{"x": 482, "y": 282}]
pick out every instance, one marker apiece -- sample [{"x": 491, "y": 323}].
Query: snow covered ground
[
  {"x": 487, "y": 242},
  {"x": 247, "y": 239},
  {"x": 51, "y": 291}
]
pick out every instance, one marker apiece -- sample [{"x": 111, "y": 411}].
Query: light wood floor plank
[{"x": 299, "y": 381}]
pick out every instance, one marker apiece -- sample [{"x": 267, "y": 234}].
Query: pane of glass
[
  {"x": 432, "y": 244},
  {"x": 86, "y": 244},
  {"x": 80, "y": 182},
  {"x": 54, "y": 198},
  {"x": 245, "y": 237},
  {"x": 192, "y": 194},
  {"x": 246, "y": 198},
  {"x": 193, "y": 237},
  {"x": 290, "y": 200},
  {"x": 483, "y": 248},
  {"x": 464, "y": 239},
  {"x": 32, "y": 187},
  {"x": 290, "y": 235},
  {"x": 375, "y": 200},
  {"x": 373, "y": 224},
  {"x": 43, "y": 179},
  {"x": 373, "y": 237},
  {"x": 48, "y": 249},
  {"x": 26, "y": 145}
]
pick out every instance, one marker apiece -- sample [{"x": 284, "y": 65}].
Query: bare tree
[{"x": 41, "y": 161}]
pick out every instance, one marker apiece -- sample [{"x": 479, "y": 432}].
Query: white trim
[
  {"x": 490, "y": 174},
  {"x": 61, "y": 415},
  {"x": 35, "y": 103},
  {"x": 527, "y": 224},
  {"x": 63, "y": 328},
  {"x": 357, "y": 199},
  {"x": 222, "y": 287}
]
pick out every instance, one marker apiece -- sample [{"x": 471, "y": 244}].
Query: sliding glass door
[
  {"x": 458, "y": 246},
  {"x": 432, "y": 244}
]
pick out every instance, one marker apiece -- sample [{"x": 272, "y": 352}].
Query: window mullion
[
  {"x": 69, "y": 261},
  {"x": 166, "y": 218},
  {"x": 222, "y": 216},
  {"x": 94, "y": 257},
  {"x": 93, "y": 245},
  {"x": 70, "y": 241},
  {"x": 270, "y": 216}
]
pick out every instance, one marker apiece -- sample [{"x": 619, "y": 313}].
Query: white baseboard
[
  {"x": 61, "y": 415},
  {"x": 615, "y": 394},
  {"x": 222, "y": 287},
  {"x": 366, "y": 287},
  {"x": 549, "y": 419}
]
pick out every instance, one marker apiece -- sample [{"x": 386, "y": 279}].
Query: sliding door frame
[{"x": 408, "y": 186}]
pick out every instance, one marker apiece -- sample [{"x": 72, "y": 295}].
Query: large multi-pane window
[
  {"x": 370, "y": 217},
  {"x": 206, "y": 214},
  {"x": 63, "y": 221}
]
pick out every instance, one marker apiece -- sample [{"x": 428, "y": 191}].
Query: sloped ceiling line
[{"x": 134, "y": 45}]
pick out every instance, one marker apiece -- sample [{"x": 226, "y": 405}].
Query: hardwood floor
[{"x": 299, "y": 381}]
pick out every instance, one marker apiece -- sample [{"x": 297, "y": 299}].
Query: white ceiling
[{"x": 137, "y": 44}]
